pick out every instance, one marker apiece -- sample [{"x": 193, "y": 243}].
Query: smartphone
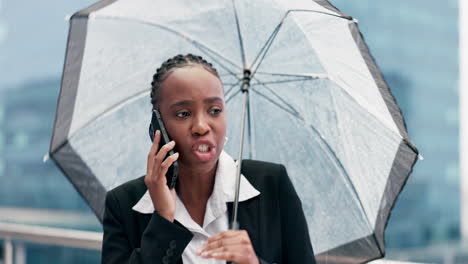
[{"x": 158, "y": 124}]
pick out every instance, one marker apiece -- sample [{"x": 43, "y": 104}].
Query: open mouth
[
  {"x": 204, "y": 151},
  {"x": 204, "y": 148}
]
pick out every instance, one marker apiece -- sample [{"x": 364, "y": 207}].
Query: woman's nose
[{"x": 200, "y": 126}]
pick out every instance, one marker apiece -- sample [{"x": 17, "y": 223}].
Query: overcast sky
[{"x": 33, "y": 36}]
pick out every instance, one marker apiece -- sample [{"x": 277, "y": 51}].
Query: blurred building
[
  {"x": 415, "y": 43},
  {"x": 27, "y": 114},
  {"x": 26, "y": 119},
  {"x": 464, "y": 117}
]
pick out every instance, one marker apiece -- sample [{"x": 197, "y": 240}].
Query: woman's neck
[
  {"x": 194, "y": 189},
  {"x": 195, "y": 185}
]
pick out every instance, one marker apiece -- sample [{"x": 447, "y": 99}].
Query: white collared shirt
[{"x": 216, "y": 214}]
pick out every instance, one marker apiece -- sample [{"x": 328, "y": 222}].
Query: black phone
[{"x": 158, "y": 124}]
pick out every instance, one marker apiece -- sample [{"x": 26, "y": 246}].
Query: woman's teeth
[{"x": 203, "y": 148}]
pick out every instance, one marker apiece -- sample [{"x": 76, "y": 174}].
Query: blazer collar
[{"x": 224, "y": 189}]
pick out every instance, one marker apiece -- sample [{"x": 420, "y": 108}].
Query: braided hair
[{"x": 178, "y": 61}]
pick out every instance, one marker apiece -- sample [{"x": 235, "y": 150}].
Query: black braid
[{"x": 178, "y": 61}]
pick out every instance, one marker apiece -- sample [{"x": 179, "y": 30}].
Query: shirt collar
[{"x": 223, "y": 190}]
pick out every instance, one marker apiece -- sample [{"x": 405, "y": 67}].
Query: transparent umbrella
[{"x": 314, "y": 100}]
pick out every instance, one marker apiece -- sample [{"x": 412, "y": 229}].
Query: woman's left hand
[{"x": 231, "y": 245}]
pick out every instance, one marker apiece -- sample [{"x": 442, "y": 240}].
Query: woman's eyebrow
[
  {"x": 209, "y": 100},
  {"x": 212, "y": 99},
  {"x": 182, "y": 103}
]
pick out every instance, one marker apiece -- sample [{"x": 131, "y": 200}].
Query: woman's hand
[
  {"x": 164, "y": 199},
  {"x": 231, "y": 245}
]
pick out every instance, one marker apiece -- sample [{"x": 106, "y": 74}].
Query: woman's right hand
[{"x": 164, "y": 199}]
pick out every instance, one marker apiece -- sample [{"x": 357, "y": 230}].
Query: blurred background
[{"x": 415, "y": 44}]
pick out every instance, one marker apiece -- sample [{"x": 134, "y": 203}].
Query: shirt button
[
  {"x": 173, "y": 244},
  {"x": 169, "y": 252}
]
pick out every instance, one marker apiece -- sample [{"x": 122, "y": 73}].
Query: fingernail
[
  {"x": 204, "y": 254},
  {"x": 172, "y": 142}
]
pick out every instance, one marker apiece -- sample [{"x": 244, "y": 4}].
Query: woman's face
[{"x": 193, "y": 110}]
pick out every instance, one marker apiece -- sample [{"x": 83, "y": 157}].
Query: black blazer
[{"x": 274, "y": 221}]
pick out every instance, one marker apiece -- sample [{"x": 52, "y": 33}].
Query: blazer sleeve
[
  {"x": 296, "y": 245},
  {"x": 162, "y": 241}
]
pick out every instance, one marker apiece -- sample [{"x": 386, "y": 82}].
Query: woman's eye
[
  {"x": 215, "y": 111},
  {"x": 183, "y": 114}
]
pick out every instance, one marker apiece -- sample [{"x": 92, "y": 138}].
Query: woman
[{"x": 146, "y": 222}]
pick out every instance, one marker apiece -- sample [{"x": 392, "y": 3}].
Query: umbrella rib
[
  {"x": 348, "y": 178},
  {"x": 237, "y": 76},
  {"x": 378, "y": 117},
  {"x": 291, "y": 111},
  {"x": 325, "y": 76},
  {"x": 109, "y": 109},
  {"x": 232, "y": 96},
  {"x": 222, "y": 75},
  {"x": 114, "y": 106},
  {"x": 283, "y": 81},
  {"x": 328, "y": 147},
  {"x": 231, "y": 87},
  {"x": 304, "y": 75},
  {"x": 217, "y": 61},
  {"x": 196, "y": 43},
  {"x": 343, "y": 169},
  {"x": 277, "y": 96},
  {"x": 241, "y": 43},
  {"x": 263, "y": 51},
  {"x": 266, "y": 47}
]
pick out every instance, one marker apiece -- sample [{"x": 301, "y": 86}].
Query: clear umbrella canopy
[{"x": 317, "y": 104}]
